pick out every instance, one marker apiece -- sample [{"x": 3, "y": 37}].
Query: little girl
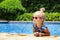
[{"x": 39, "y": 28}]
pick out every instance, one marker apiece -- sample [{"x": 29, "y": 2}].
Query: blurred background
[{"x": 22, "y": 10}]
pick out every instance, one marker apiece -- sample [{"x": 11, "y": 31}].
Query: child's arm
[
  {"x": 35, "y": 33},
  {"x": 47, "y": 33}
]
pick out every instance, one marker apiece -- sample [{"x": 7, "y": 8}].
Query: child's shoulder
[{"x": 44, "y": 27}]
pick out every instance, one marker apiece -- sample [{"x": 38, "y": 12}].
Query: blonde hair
[
  {"x": 42, "y": 9},
  {"x": 41, "y": 12}
]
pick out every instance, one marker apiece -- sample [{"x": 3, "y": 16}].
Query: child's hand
[
  {"x": 36, "y": 34},
  {"x": 41, "y": 34}
]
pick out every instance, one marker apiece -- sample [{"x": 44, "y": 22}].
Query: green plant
[
  {"x": 24, "y": 17},
  {"x": 53, "y": 16},
  {"x": 10, "y": 8},
  {"x": 33, "y": 5},
  {"x": 28, "y": 17}
]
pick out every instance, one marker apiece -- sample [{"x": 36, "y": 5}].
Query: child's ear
[{"x": 42, "y": 19}]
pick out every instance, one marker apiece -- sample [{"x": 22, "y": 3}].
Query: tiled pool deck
[{"x": 6, "y": 36}]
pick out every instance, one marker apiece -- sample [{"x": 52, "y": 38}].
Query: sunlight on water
[{"x": 27, "y": 27}]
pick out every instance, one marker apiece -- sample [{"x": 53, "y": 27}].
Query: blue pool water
[{"x": 27, "y": 27}]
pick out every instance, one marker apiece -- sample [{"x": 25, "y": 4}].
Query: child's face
[{"x": 37, "y": 19}]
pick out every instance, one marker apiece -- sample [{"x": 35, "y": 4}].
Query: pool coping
[{"x": 30, "y": 21}]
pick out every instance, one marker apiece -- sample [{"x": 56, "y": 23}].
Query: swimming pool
[{"x": 27, "y": 27}]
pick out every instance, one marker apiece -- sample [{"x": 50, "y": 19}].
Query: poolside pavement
[{"x": 7, "y": 36}]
